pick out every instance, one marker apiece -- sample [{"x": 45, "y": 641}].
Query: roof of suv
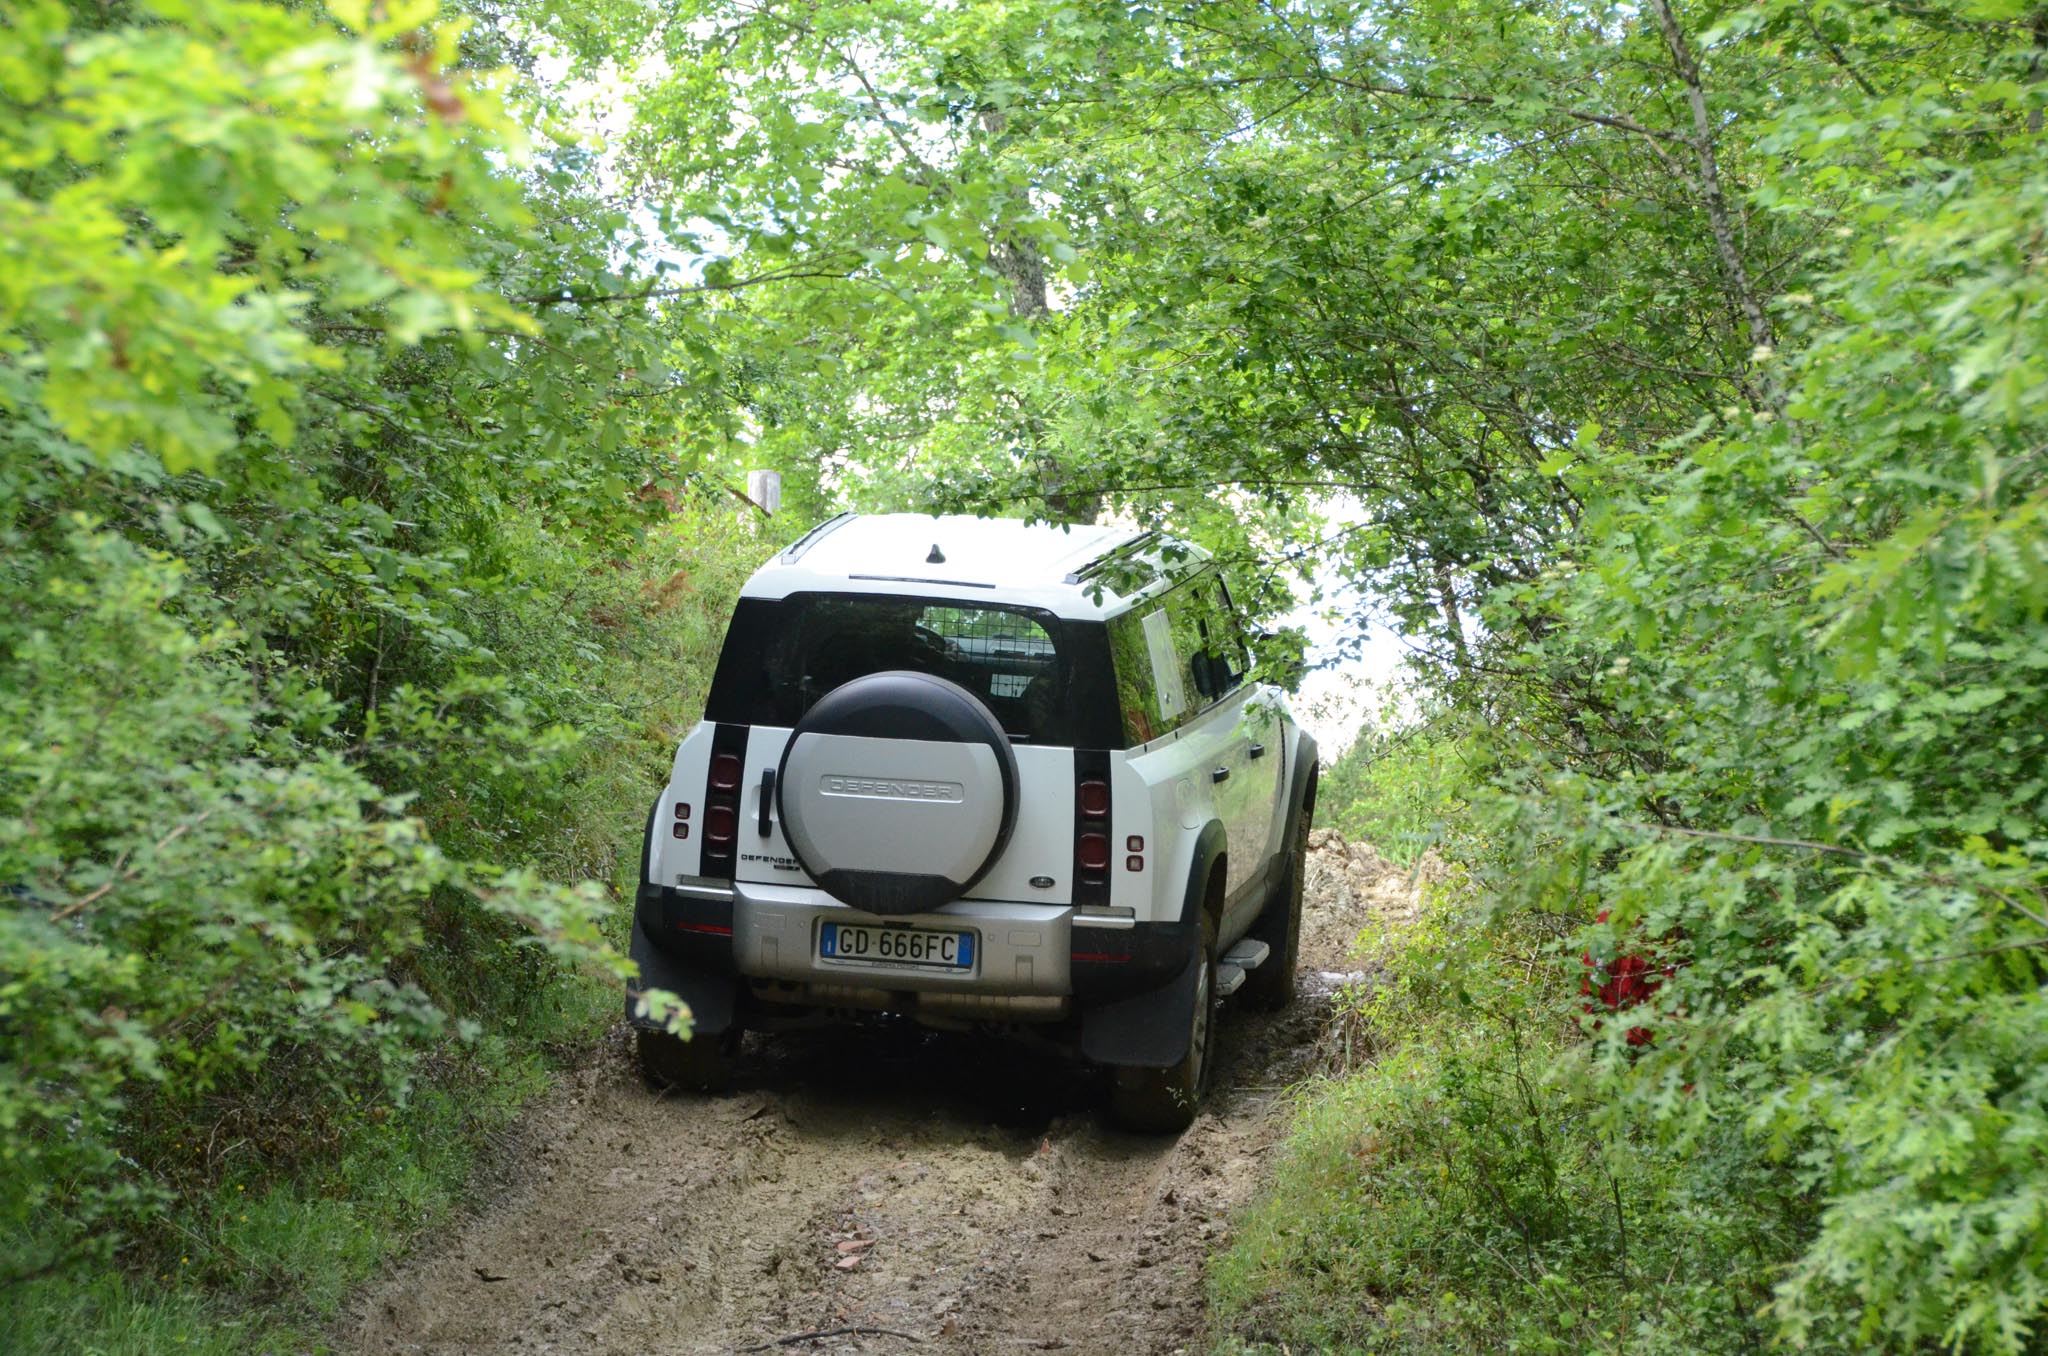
[{"x": 984, "y": 559}]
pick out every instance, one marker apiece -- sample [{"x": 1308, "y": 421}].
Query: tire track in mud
[{"x": 967, "y": 1192}]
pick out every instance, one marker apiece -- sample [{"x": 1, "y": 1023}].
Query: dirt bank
[{"x": 962, "y": 1192}]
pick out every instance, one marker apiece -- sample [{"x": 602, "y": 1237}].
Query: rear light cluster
[
  {"x": 721, "y": 801},
  {"x": 1091, "y": 828}
]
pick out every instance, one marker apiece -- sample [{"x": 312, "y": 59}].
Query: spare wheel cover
[{"x": 897, "y": 792}]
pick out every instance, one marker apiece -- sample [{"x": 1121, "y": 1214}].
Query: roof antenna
[{"x": 937, "y": 557}]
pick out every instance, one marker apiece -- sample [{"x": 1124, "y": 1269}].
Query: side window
[
  {"x": 1174, "y": 656},
  {"x": 1210, "y": 645},
  {"x": 1239, "y": 646},
  {"x": 1148, "y": 669}
]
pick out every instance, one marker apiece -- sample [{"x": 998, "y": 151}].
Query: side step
[{"x": 1248, "y": 954}]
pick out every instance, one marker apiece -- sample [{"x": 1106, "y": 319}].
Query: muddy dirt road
[{"x": 965, "y": 1193}]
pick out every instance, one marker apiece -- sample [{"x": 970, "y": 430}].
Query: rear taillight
[
  {"x": 1091, "y": 828},
  {"x": 721, "y": 802},
  {"x": 725, "y": 772}
]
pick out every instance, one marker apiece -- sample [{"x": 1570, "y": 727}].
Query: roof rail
[
  {"x": 1111, "y": 557},
  {"x": 816, "y": 535}
]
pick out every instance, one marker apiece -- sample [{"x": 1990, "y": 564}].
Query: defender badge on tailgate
[{"x": 879, "y": 788}]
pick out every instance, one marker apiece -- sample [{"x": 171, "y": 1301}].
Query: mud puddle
[{"x": 904, "y": 1191}]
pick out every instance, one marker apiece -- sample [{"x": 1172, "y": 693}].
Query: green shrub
[
  {"x": 342, "y": 654},
  {"x": 1404, "y": 792},
  {"x": 1467, "y": 1191}
]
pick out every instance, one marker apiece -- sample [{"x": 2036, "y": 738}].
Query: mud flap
[
  {"x": 1148, "y": 1030},
  {"x": 711, "y": 996}
]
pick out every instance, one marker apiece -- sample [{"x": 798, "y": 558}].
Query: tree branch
[
  {"x": 566, "y": 297},
  {"x": 1702, "y": 140}
]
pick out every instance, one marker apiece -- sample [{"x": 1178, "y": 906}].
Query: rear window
[{"x": 781, "y": 656}]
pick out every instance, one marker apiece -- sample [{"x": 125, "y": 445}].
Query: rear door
[
  {"x": 783, "y": 655},
  {"x": 1196, "y": 625},
  {"x": 1248, "y": 757}
]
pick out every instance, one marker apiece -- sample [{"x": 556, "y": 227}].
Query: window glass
[
  {"x": 1007, "y": 657},
  {"x": 1213, "y": 649},
  {"x": 1137, "y": 682},
  {"x": 1174, "y": 657}
]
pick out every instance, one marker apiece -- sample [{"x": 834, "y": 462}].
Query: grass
[
  {"x": 262, "y": 1266},
  {"x": 1462, "y": 1186}
]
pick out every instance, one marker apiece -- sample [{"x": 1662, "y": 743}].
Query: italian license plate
[{"x": 862, "y": 944}]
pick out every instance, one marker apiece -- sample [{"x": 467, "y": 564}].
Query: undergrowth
[
  {"x": 1459, "y": 1185},
  {"x": 227, "y": 1194}
]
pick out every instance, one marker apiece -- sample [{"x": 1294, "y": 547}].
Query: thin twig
[
  {"x": 1853, "y": 854},
  {"x": 131, "y": 873},
  {"x": 567, "y": 297}
]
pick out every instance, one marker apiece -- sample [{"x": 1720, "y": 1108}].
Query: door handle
[
  {"x": 767, "y": 799},
  {"x": 1221, "y": 774},
  {"x": 1258, "y": 750}
]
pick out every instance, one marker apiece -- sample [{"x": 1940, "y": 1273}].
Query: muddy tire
[
  {"x": 1164, "y": 1101},
  {"x": 705, "y": 1064},
  {"x": 1271, "y": 987}
]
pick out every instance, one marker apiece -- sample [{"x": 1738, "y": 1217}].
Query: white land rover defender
[{"x": 979, "y": 773}]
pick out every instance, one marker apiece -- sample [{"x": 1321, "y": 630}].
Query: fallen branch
[{"x": 819, "y": 1334}]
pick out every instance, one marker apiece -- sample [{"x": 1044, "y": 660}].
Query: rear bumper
[
  {"x": 1019, "y": 948},
  {"x": 769, "y": 932}
]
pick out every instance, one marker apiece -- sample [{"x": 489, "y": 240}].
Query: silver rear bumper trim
[{"x": 1020, "y": 949}]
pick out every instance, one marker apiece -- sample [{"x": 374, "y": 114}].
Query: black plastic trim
[
  {"x": 713, "y": 996},
  {"x": 817, "y": 534},
  {"x": 687, "y": 926},
  {"x": 1111, "y": 556},
  {"x": 915, "y": 579},
  {"x": 1137, "y": 1011}
]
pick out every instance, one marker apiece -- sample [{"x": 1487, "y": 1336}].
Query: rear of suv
[{"x": 979, "y": 773}]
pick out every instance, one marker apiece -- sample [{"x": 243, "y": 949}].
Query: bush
[
  {"x": 1405, "y": 792},
  {"x": 357, "y": 587},
  {"x": 1468, "y": 1190}
]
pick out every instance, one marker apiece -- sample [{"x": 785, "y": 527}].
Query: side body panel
[
  {"x": 669, "y": 858},
  {"x": 1172, "y": 799}
]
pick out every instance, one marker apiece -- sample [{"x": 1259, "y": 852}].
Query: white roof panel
[{"x": 990, "y": 559}]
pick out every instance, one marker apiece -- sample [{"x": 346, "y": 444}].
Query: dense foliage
[{"x": 340, "y": 653}]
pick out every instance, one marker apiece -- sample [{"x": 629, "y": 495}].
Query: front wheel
[
  {"x": 1163, "y": 1101},
  {"x": 703, "y": 1064}
]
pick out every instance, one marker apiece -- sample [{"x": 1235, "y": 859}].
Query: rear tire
[
  {"x": 703, "y": 1064},
  {"x": 1164, "y": 1101},
  {"x": 1270, "y": 988}
]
